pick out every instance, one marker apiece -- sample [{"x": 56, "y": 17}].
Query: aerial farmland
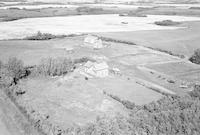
[{"x": 99, "y": 67}]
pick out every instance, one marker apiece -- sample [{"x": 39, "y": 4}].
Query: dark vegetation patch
[
  {"x": 136, "y": 14},
  {"x": 195, "y": 8},
  {"x": 47, "y": 36},
  {"x": 89, "y": 10},
  {"x": 43, "y": 36},
  {"x": 166, "y": 23},
  {"x": 7, "y": 19},
  {"x": 55, "y": 66},
  {"x": 195, "y": 58}
]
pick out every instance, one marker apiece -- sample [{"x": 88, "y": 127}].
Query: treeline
[{"x": 14, "y": 70}]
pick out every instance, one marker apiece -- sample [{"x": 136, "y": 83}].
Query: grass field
[
  {"x": 182, "y": 70},
  {"x": 67, "y": 102}
]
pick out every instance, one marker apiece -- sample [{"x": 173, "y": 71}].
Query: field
[
  {"x": 183, "y": 70},
  {"x": 181, "y": 41},
  {"x": 95, "y": 23}
]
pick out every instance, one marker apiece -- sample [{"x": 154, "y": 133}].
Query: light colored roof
[{"x": 101, "y": 66}]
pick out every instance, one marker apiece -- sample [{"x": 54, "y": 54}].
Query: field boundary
[
  {"x": 132, "y": 43},
  {"x": 20, "y": 118}
]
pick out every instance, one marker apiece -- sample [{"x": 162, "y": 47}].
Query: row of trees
[{"x": 55, "y": 66}]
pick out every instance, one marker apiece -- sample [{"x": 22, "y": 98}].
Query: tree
[{"x": 195, "y": 58}]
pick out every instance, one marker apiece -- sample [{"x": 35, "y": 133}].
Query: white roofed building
[
  {"x": 100, "y": 69},
  {"x": 93, "y": 41}
]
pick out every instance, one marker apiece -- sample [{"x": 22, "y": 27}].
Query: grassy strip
[
  {"x": 155, "y": 89},
  {"x": 168, "y": 52},
  {"x": 126, "y": 103}
]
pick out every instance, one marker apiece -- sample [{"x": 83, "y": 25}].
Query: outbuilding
[
  {"x": 98, "y": 69},
  {"x": 93, "y": 41}
]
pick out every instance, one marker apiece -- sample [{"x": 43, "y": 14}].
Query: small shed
[
  {"x": 100, "y": 69},
  {"x": 93, "y": 41}
]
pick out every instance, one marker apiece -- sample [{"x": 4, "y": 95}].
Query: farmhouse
[
  {"x": 100, "y": 69},
  {"x": 93, "y": 41}
]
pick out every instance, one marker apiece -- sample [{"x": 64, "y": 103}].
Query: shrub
[
  {"x": 195, "y": 58},
  {"x": 136, "y": 14},
  {"x": 166, "y": 23},
  {"x": 55, "y": 66},
  {"x": 44, "y": 36}
]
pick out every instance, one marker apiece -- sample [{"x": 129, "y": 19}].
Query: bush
[
  {"x": 166, "y": 23},
  {"x": 195, "y": 58},
  {"x": 12, "y": 71},
  {"x": 55, "y": 66},
  {"x": 44, "y": 36},
  {"x": 136, "y": 14},
  {"x": 196, "y": 92},
  {"x": 15, "y": 67}
]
